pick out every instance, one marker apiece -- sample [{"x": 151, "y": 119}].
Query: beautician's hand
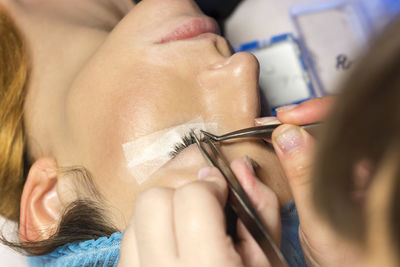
[
  {"x": 186, "y": 226},
  {"x": 294, "y": 147},
  {"x": 310, "y": 111},
  {"x": 320, "y": 244}
]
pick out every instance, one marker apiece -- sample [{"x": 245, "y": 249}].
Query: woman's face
[{"x": 162, "y": 65}]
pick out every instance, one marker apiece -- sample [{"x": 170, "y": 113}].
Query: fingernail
[
  {"x": 266, "y": 121},
  {"x": 249, "y": 164},
  {"x": 289, "y": 139},
  {"x": 286, "y": 108}
]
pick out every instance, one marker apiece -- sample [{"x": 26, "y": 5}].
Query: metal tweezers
[
  {"x": 264, "y": 131},
  {"x": 241, "y": 204}
]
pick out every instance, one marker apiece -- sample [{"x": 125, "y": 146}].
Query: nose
[{"x": 234, "y": 84}]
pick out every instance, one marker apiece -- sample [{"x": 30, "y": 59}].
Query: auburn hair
[
  {"x": 84, "y": 218},
  {"x": 14, "y": 66}
]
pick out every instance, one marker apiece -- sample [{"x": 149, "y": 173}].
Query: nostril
[{"x": 224, "y": 47}]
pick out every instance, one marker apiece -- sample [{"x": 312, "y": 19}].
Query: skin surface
[
  {"x": 98, "y": 82},
  {"x": 101, "y": 77}
]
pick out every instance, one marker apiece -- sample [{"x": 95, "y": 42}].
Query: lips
[{"x": 192, "y": 28}]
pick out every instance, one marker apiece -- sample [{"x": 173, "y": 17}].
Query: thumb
[{"x": 294, "y": 147}]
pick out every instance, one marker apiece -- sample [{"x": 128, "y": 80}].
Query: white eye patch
[{"x": 147, "y": 154}]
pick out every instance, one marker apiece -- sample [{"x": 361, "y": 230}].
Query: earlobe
[{"x": 40, "y": 202}]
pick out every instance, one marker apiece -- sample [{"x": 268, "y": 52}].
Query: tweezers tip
[
  {"x": 207, "y": 135},
  {"x": 194, "y": 136},
  {"x": 204, "y": 132}
]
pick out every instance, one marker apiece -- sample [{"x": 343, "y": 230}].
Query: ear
[{"x": 40, "y": 203}]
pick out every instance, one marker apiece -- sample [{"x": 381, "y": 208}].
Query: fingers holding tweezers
[
  {"x": 199, "y": 221},
  {"x": 266, "y": 204},
  {"x": 243, "y": 207}
]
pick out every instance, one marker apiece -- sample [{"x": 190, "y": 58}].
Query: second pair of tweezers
[{"x": 264, "y": 131}]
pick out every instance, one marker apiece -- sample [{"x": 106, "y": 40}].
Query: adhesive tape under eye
[{"x": 147, "y": 154}]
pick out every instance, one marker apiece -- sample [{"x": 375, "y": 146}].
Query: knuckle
[
  {"x": 299, "y": 166},
  {"x": 152, "y": 196},
  {"x": 300, "y": 172},
  {"x": 192, "y": 189}
]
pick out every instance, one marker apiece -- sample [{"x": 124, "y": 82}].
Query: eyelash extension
[{"x": 186, "y": 141}]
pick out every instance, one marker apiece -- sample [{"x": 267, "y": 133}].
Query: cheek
[
  {"x": 127, "y": 103},
  {"x": 105, "y": 111}
]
